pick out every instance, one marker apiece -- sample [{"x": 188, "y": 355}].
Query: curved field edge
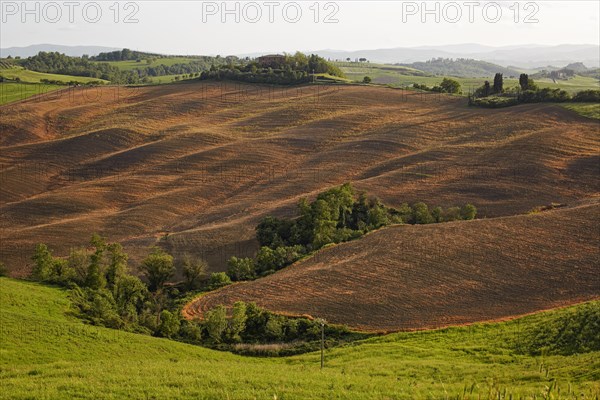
[
  {"x": 431, "y": 276},
  {"x": 47, "y": 354}
]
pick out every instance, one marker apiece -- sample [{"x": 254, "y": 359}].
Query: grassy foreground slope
[{"x": 46, "y": 354}]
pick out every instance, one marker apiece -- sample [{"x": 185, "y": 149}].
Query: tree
[
  {"x": 61, "y": 272},
  {"x": 266, "y": 260},
  {"x": 194, "y": 272},
  {"x": 377, "y": 215},
  {"x": 117, "y": 265},
  {"x": 367, "y": 79},
  {"x": 274, "y": 327},
  {"x": 524, "y": 81},
  {"x": 216, "y": 323},
  {"x": 95, "y": 277},
  {"x": 158, "y": 268},
  {"x": 487, "y": 90},
  {"x": 498, "y": 83},
  {"x": 79, "y": 260},
  {"x": 452, "y": 214},
  {"x": 237, "y": 324},
  {"x": 267, "y": 230},
  {"x": 189, "y": 330},
  {"x": 437, "y": 214},
  {"x": 169, "y": 324},
  {"x": 241, "y": 269},
  {"x": 421, "y": 214},
  {"x": 468, "y": 211},
  {"x": 450, "y": 85},
  {"x": 218, "y": 279},
  {"x": 44, "y": 261},
  {"x": 129, "y": 293}
]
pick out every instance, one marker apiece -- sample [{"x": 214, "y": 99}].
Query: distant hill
[
  {"x": 525, "y": 56},
  {"x": 577, "y": 67},
  {"x": 464, "y": 68},
  {"x": 73, "y": 51}
]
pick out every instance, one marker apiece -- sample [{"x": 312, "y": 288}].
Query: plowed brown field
[
  {"x": 193, "y": 167},
  {"x": 415, "y": 277}
]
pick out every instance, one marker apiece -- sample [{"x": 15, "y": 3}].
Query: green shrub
[
  {"x": 215, "y": 322},
  {"x": 241, "y": 269},
  {"x": 591, "y": 96},
  {"x": 218, "y": 280},
  {"x": 169, "y": 324}
]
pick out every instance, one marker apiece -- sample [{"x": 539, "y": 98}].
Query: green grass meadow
[
  {"x": 12, "y": 91},
  {"x": 47, "y": 354},
  {"x": 589, "y": 110},
  {"x": 28, "y": 76},
  {"x": 402, "y": 77}
]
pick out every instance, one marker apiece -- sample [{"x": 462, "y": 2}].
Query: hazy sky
[{"x": 201, "y": 27}]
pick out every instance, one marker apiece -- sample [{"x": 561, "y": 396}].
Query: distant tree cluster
[
  {"x": 123, "y": 55},
  {"x": 57, "y": 63},
  {"x": 527, "y": 92},
  {"x": 447, "y": 85},
  {"x": 290, "y": 69}
]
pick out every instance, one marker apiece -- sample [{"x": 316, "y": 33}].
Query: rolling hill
[
  {"x": 465, "y": 68},
  {"x": 193, "y": 167},
  {"x": 422, "y": 277}
]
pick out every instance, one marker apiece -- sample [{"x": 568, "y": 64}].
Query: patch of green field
[
  {"x": 130, "y": 65},
  {"x": 166, "y": 79},
  {"x": 589, "y": 110},
  {"x": 28, "y": 76},
  {"x": 572, "y": 85},
  {"x": 45, "y": 353},
  {"x": 399, "y": 77},
  {"x": 10, "y": 91}
]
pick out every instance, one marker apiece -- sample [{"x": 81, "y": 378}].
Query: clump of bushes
[
  {"x": 103, "y": 292},
  {"x": 447, "y": 85},
  {"x": 288, "y": 70},
  {"x": 251, "y": 330},
  {"x": 588, "y": 96},
  {"x": 493, "y": 101}
]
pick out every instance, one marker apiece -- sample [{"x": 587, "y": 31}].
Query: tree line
[
  {"x": 336, "y": 215},
  {"x": 496, "y": 95},
  {"x": 57, "y": 63},
  {"x": 103, "y": 292},
  {"x": 447, "y": 85},
  {"x": 285, "y": 70}
]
